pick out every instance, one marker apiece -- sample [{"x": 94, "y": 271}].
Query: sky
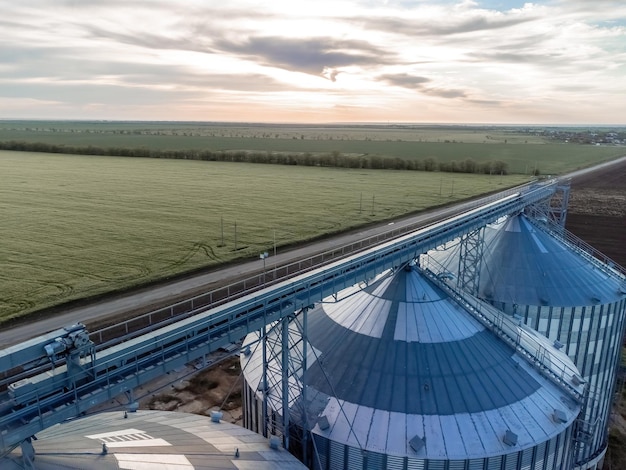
[{"x": 321, "y": 61}]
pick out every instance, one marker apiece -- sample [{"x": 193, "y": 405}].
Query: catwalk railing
[{"x": 536, "y": 349}]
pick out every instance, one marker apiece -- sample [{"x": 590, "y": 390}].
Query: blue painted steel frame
[{"x": 44, "y": 400}]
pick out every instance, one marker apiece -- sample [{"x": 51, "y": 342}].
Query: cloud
[
  {"x": 445, "y": 93},
  {"x": 149, "y": 40},
  {"x": 406, "y": 80},
  {"x": 419, "y": 83},
  {"x": 308, "y": 55},
  {"x": 445, "y": 24},
  {"x": 364, "y": 60}
]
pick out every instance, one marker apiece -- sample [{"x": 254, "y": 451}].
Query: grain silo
[
  {"x": 395, "y": 374},
  {"x": 556, "y": 287},
  {"x": 155, "y": 440}
]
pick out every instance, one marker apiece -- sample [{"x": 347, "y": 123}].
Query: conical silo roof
[
  {"x": 398, "y": 360},
  {"x": 525, "y": 265}
]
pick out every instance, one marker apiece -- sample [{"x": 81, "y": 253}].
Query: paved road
[{"x": 163, "y": 294}]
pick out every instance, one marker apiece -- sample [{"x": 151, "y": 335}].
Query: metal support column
[
  {"x": 285, "y": 381},
  {"x": 284, "y": 362},
  {"x": 554, "y": 208},
  {"x": 470, "y": 258},
  {"x": 264, "y": 385}
]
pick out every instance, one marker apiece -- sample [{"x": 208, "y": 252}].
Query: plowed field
[{"x": 597, "y": 211}]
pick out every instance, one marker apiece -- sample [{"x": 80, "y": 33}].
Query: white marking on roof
[
  {"x": 396, "y": 435},
  {"x": 429, "y": 318},
  {"x": 377, "y": 438},
  {"x": 540, "y": 245},
  {"x": 513, "y": 225},
  {"x": 362, "y": 312},
  {"x": 153, "y": 462},
  {"x": 128, "y": 438}
]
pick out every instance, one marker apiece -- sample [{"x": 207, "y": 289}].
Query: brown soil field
[{"x": 597, "y": 211}]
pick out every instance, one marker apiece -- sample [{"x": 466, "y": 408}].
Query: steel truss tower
[
  {"x": 284, "y": 363},
  {"x": 470, "y": 258},
  {"x": 553, "y": 209}
]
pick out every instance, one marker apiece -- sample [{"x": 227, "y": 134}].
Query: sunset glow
[{"x": 550, "y": 62}]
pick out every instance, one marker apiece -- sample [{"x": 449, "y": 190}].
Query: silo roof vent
[
  {"x": 323, "y": 423},
  {"x": 559, "y": 416},
  {"x": 274, "y": 442},
  {"x": 216, "y": 415},
  {"x": 510, "y": 438},
  {"x": 417, "y": 443}
]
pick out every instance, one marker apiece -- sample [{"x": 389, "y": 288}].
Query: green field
[
  {"x": 75, "y": 226},
  {"x": 523, "y": 150}
]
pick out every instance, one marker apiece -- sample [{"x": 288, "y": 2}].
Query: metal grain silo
[
  {"x": 396, "y": 374},
  {"x": 553, "y": 285}
]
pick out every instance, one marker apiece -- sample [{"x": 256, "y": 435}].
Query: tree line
[{"x": 333, "y": 159}]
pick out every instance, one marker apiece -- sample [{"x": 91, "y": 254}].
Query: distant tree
[
  {"x": 429, "y": 164},
  {"x": 470, "y": 166},
  {"x": 500, "y": 167}
]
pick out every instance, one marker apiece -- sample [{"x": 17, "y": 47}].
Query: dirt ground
[
  {"x": 215, "y": 388},
  {"x": 597, "y": 211}
]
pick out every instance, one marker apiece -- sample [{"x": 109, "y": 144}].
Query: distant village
[{"x": 593, "y": 136}]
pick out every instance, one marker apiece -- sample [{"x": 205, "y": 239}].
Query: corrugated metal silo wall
[
  {"x": 592, "y": 336},
  {"x": 555, "y": 454}
]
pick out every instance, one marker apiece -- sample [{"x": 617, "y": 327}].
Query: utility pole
[{"x": 263, "y": 256}]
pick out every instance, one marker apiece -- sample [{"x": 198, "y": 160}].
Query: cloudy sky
[{"x": 463, "y": 61}]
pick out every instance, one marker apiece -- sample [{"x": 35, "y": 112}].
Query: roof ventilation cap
[
  {"x": 559, "y": 416},
  {"x": 510, "y": 438},
  {"x": 323, "y": 423},
  {"x": 216, "y": 415},
  {"x": 274, "y": 442},
  {"x": 558, "y": 344},
  {"x": 417, "y": 443}
]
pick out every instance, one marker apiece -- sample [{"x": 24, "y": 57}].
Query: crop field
[
  {"x": 389, "y": 133},
  {"x": 523, "y": 150},
  {"x": 75, "y": 226}
]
